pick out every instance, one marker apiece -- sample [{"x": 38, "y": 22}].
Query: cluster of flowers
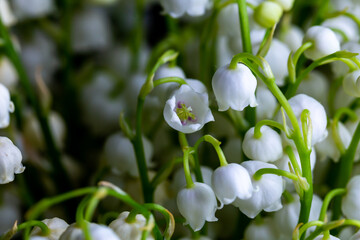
[{"x": 284, "y": 125}]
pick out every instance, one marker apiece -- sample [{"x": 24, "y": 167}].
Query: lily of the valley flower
[
  {"x": 267, "y": 191},
  {"x": 234, "y": 88},
  {"x": 197, "y": 204},
  {"x": 56, "y": 226},
  {"x": 6, "y": 106},
  {"x": 267, "y": 148},
  {"x": 264, "y": 229},
  {"x": 131, "y": 230},
  {"x": 10, "y": 161},
  {"x": 231, "y": 182},
  {"x": 187, "y": 111},
  {"x": 97, "y": 232},
  {"x": 178, "y": 8},
  {"x": 324, "y": 42},
  {"x": 350, "y": 205}
]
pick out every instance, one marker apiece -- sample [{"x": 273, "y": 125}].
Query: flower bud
[
  {"x": 6, "y": 106},
  {"x": 56, "y": 226},
  {"x": 267, "y": 148},
  {"x": 197, "y": 205},
  {"x": 10, "y": 161},
  {"x": 131, "y": 230},
  {"x": 268, "y": 13},
  {"x": 234, "y": 88},
  {"x": 345, "y": 25},
  {"x": 267, "y": 191},
  {"x": 324, "y": 42},
  {"x": 231, "y": 182},
  {"x": 351, "y": 83},
  {"x": 187, "y": 111},
  {"x": 350, "y": 204}
]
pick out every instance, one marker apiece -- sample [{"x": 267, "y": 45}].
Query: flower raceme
[
  {"x": 187, "y": 111},
  {"x": 234, "y": 88}
]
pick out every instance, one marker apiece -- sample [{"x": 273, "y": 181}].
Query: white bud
[
  {"x": 350, "y": 204},
  {"x": 267, "y": 148},
  {"x": 10, "y": 161},
  {"x": 231, "y": 182},
  {"x": 120, "y": 154},
  {"x": 97, "y": 232},
  {"x": 132, "y": 230},
  {"x": 234, "y": 88},
  {"x": 324, "y": 42},
  {"x": 187, "y": 111},
  {"x": 6, "y": 106},
  {"x": 345, "y": 25},
  {"x": 56, "y": 226},
  {"x": 267, "y": 191},
  {"x": 197, "y": 205},
  {"x": 268, "y": 13}
]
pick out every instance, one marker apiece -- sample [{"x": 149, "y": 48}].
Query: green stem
[
  {"x": 165, "y": 171},
  {"x": 80, "y": 220},
  {"x": 244, "y": 26},
  {"x": 333, "y": 193},
  {"x": 257, "y": 132},
  {"x": 189, "y": 181},
  {"x": 170, "y": 221},
  {"x": 140, "y": 155},
  {"x": 345, "y": 170},
  {"x": 216, "y": 144},
  {"x": 308, "y": 225},
  {"x": 292, "y": 159},
  {"x": 93, "y": 202},
  {"x": 58, "y": 170},
  {"x": 168, "y": 80},
  {"x": 34, "y": 223},
  {"x": 258, "y": 174}
]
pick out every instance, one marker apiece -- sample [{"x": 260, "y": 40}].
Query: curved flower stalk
[
  {"x": 187, "y": 111},
  {"x": 56, "y": 227}
]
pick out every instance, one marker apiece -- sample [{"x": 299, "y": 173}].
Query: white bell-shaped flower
[
  {"x": 32, "y": 8},
  {"x": 293, "y": 37},
  {"x": 324, "y": 42},
  {"x": 331, "y": 237},
  {"x": 267, "y": 191},
  {"x": 267, "y": 103},
  {"x": 315, "y": 85},
  {"x": 197, "y": 205},
  {"x": 267, "y": 148},
  {"x": 178, "y": 8},
  {"x": 345, "y": 25},
  {"x": 328, "y": 147},
  {"x": 286, "y": 4},
  {"x": 234, "y": 88},
  {"x": 351, "y": 83},
  {"x": 97, "y": 232},
  {"x": 120, "y": 154},
  {"x": 287, "y": 218},
  {"x": 318, "y": 117},
  {"x": 7, "y": 15},
  {"x": 187, "y": 111},
  {"x": 197, "y": 85},
  {"x": 261, "y": 230},
  {"x": 6, "y": 106},
  {"x": 90, "y": 30},
  {"x": 350, "y": 204},
  {"x": 231, "y": 182},
  {"x": 56, "y": 226},
  {"x": 10, "y": 161},
  {"x": 132, "y": 230}
]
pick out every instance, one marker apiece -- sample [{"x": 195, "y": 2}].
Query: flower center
[{"x": 184, "y": 113}]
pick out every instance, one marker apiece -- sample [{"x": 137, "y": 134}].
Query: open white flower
[
  {"x": 231, "y": 182},
  {"x": 10, "y": 161},
  {"x": 187, "y": 111},
  {"x": 98, "y": 232},
  {"x": 267, "y": 148},
  {"x": 197, "y": 205},
  {"x": 267, "y": 191},
  {"x": 324, "y": 42},
  {"x": 234, "y": 88},
  {"x": 178, "y": 8},
  {"x": 351, "y": 83},
  {"x": 345, "y": 25},
  {"x": 131, "y": 230},
  {"x": 350, "y": 204},
  {"x": 6, "y": 106},
  {"x": 56, "y": 226}
]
